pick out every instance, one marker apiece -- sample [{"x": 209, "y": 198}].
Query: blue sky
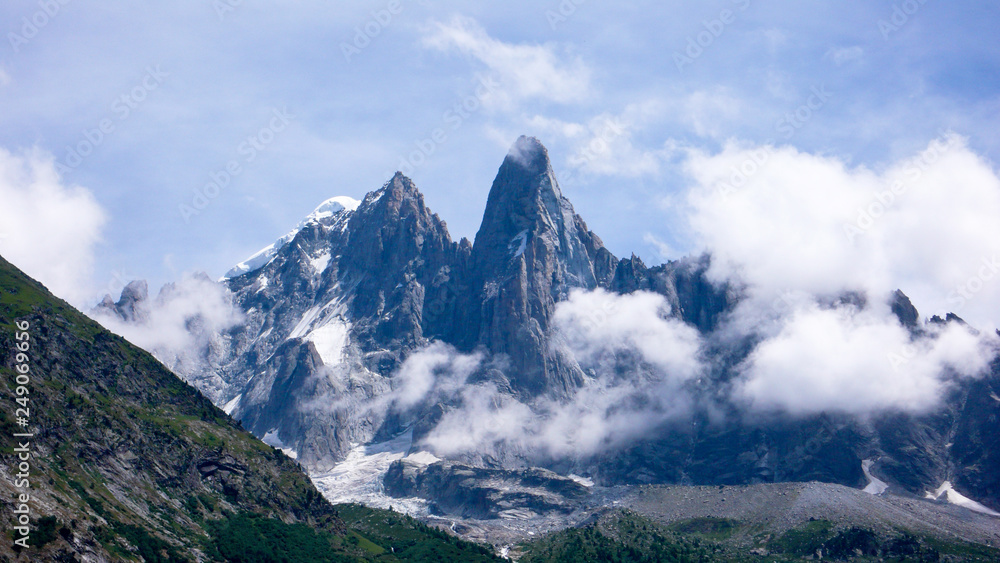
[{"x": 340, "y": 96}]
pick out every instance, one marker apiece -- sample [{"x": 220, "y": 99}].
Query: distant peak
[
  {"x": 332, "y": 206},
  {"x": 326, "y": 210},
  {"x": 399, "y": 188}
]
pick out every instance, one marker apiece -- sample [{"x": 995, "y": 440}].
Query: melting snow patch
[
  {"x": 946, "y": 493},
  {"x": 875, "y": 486},
  {"x": 582, "y": 480},
  {"x": 300, "y": 329},
  {"x": 359, "y": 477},
  {"x": 330, "y": 341},
  {"x": 321, "y": 262},
  {"x": 272, "y": 439},
  {"x": 522, "y": 241},
  {"x": 231, "y": 405},
  {"x": 422, "y": 458}
]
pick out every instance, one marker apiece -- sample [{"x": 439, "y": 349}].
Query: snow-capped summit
[
  {"x": 333, "y": 206},
  {"x": 339, "y": 207}
]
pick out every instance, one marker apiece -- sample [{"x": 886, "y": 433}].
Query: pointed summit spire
[
  {"x": 530, "y": 154},
  {"x": 530, "y": 251},
  {"x": 525, "y": 196}
]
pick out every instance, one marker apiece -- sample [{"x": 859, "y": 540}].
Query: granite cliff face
[
  {"x": 333, "y": 310},
  {"x": 530, "y": 251}
]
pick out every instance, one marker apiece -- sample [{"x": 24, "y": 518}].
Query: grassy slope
[{"x": 134, "y": 464}]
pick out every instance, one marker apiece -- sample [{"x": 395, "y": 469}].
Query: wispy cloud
[
  {"x": 843, "y": 55},
  {"x": 525, "y": 71}
]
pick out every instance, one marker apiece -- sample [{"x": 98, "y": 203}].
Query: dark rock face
[
  {"x": 396, "y": 257},
  {"x": 904, "y": 310},
  {"x": 472, "y": 492},
  {"x": 975, "y": 453}
]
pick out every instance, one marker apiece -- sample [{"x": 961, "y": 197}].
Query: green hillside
[{"x": 129, "y": 463}]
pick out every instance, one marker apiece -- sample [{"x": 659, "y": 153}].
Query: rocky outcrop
[{"x": 472, "y": 492}]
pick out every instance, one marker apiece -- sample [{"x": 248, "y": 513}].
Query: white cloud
[
  {"x": 711, "y": 113},
  {"x": 4, "y": 77},
  {"x": 604, "y": 144},
  {"x": 183, "y": 325},
  {"x": 604, "y": 332},
  {"x": 663, "y": 250},
  {"x": 799, "y": 231},
  {"x": 780, "y": 220},
  {"x": 843, "y": 55},
  {"x": 596, "y": 325},
  {"x": 47, "y": 228},
  {"x": 856, "y": 362},
  {"x": 435, "y": 373},
  {"x": 523, "y": 71}
]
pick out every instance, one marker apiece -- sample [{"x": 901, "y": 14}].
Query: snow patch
[
  {"x": 272, "y": 439},
  {"x": 330, "y": 341},
  {"x": 331, "y": 207},
  {"x": 994, "y": 397},
  {"x": 263, "y": 257},
  {"x": 359, "y": 477},
  {"x": 875, "y": 486},
  {"x": 231, "y": 405},
  {"x": 946, "y": 493},
  {"x": 321, "y": 262},
  {"x": 422, "y": 458},
  {"x": 305, "y": 322},
  {"x": 582, "y": 480},
  {"x": 521, "y": 240},
  {"x": 262, "y": 282}
]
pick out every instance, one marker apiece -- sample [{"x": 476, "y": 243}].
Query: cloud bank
[
  {"x": 47, "y": 228},
  {"x": 183, "y": 326},
  {"x": 817, "y": 248},
  {"x": 780, "y": 220},
  {"x": 639, "y": 361}
]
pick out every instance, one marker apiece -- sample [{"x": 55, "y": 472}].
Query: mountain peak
[
  {"x": 530, "y": 154},
  {"x": 333, "y": 209},
  {"x": 533, "y": 248},
  {"x": 524, "y": 196}
]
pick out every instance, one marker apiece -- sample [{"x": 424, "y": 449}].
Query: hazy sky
[{"x": 138, "y": 106}]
